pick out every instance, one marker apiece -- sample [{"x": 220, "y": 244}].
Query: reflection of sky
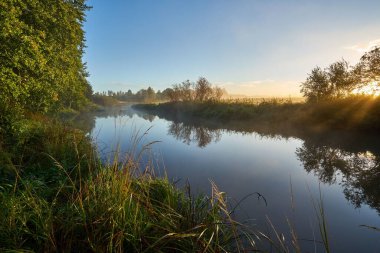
[{"x": 243, "y": 164}]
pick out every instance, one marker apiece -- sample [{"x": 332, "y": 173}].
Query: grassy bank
[
  {"x": 106, "y": 101},
  {"x": 56, "y": 195},
  {"x": 352, "y": 113}
]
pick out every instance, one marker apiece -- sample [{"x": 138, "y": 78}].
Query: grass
[
  {"x": 57, "y": 196},
  {"x": 357, "y": 112},
  {"x": 111, "y": 212},
  {"x": 106, "y": 101}
]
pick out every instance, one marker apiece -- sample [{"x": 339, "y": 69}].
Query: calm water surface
[{"x": 284, "y": 170}]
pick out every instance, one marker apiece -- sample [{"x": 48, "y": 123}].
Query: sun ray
[
  {"x": 371, "y": 88},
  {"x": 364, "y": 109}
]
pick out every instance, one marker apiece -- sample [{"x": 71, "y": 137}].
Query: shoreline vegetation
[
  {"x": 55, "y": 192},
  {"x": 354, "y": 113},
  {"x": 340, "y": 96},
  {"x": 56, "y": 195}
]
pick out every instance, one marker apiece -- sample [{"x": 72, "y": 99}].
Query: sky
[{"x": 249, "y": 47}]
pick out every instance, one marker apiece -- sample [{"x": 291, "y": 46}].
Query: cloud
[{"x": 364, "y": 47}]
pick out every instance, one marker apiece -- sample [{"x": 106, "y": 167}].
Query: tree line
[
  {"x": 340, "y": 80},
  {"x": 143, "y": 95},
  {"x": 201, "y": 90}
]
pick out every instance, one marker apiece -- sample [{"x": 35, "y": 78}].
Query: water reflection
[
  {"x": 351, "y": 160},
  {"x": 359, "y": 172},
  {"x": 198, "y": 134},
  {"x": 245, "y": 157},
  {"x": 86, "y": 121}
]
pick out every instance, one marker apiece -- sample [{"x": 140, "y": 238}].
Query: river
[{"x": 291, "y": 170}]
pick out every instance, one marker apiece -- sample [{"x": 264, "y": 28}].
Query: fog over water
[{"x": 287, "y": 167}]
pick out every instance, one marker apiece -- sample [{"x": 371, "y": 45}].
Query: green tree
[{"x": 41, "y": 48}]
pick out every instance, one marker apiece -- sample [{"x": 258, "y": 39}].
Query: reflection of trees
[
  {"x": 148, "y": 117},
  {"x": 114, "y": 112},
  {"x": 360, "y": 172},
  {"x": 86, "y": 121},
  {"x": 188, "y": 133}
]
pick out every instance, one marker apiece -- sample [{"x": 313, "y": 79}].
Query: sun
[{"x": 369, "y": 89}]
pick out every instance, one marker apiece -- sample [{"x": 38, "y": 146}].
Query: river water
[{"x": 294, "y": 172}]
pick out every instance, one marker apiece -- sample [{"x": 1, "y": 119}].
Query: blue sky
[{"x": 250, "y": 47}]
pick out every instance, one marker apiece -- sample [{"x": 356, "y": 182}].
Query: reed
[
  {"x": 75, "y": 202},
  {"x": 58, "y": 196}
]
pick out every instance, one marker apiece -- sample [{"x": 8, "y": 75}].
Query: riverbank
[
  {"x": 356, "y": 113},
  {"x": 57, "y": 195}
]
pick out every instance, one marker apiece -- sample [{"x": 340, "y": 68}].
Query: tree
[
  {"x": 187, "y": 94},
  {"x": 175, "y": 93},
  {"x": 203, "y": 89},
  {"x": 141, "y": 94},
  {"x": 150, "y": 95},
  {"x": 317, "y": 86},
  {"x": 41, "y": 48},
  {"x": 341, "y": 79},
  {"x": 217, "y": 93},
  {"x": 167, "y": 94},
  {"x": 369, "y": 67}
]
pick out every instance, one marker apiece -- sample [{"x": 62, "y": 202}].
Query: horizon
[{"x": 251, "y": 48}]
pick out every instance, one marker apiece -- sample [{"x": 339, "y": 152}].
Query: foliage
[
  {"x": 41, "y": 48},
  {"x": 36, "y": 139},
  {"x": 340, "y": 79},
  {"x": 203, "y": 90},
  {"x": 317, "y": 86},
  {"x": 182, "y": 91},
  {"x": 143, "y": 95},
  {"x": 356, "y": 112},
  {"x": 200, "y": 91},
  {"x": 105, "y": 100},
  {"x": 336, "y": 81},
  {"x": 369, "y": 66}
]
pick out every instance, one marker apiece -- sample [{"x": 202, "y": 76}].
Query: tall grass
[
  {"x": 112, "y": 212},
  {"x": 69, "y": 201},
  {"x": 322, "y": 221},
  {"x": 58, "y": 196}
]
